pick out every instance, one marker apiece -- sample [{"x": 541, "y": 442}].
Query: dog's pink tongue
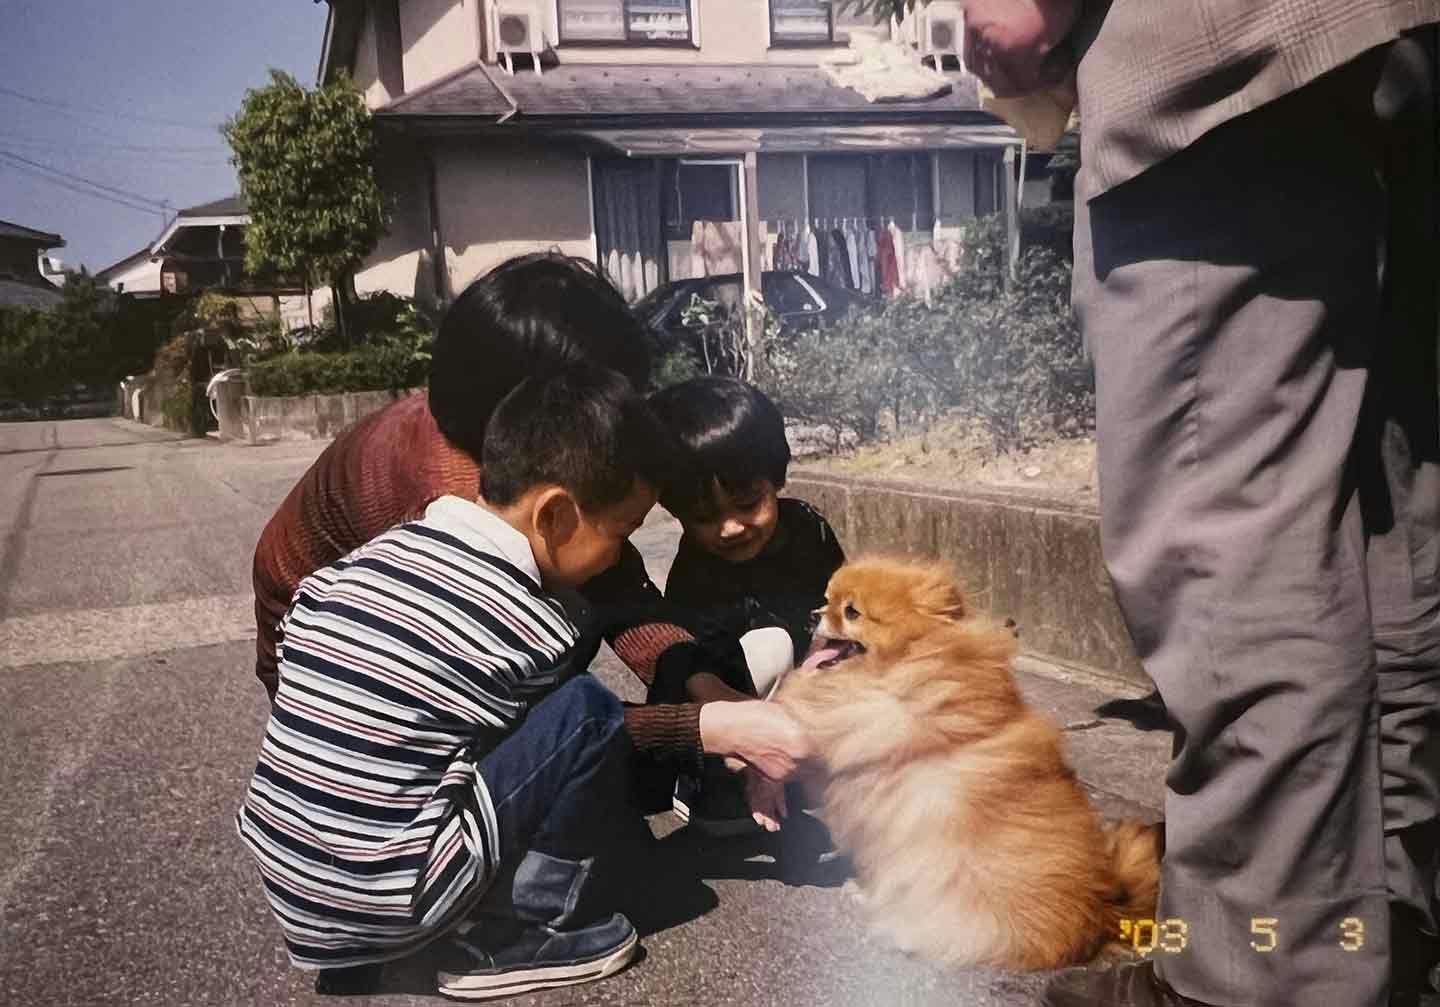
[{"x": 822, "y": 651}]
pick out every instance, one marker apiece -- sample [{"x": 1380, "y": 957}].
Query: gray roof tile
[{"x": 586, "y": 90}]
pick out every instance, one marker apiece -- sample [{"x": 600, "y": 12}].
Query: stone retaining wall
[
  {"x": 1032, "y": 558},
  {"x": 310, "y": 417}
]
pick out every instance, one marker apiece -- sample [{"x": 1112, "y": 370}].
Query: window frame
[
  {"x": 776, "y": 42},
  {"x": 834, "y": 25},
  {"x": 630, "y": 40}
]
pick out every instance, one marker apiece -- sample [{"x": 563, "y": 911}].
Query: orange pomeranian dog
[{"x": 972, "y": 841}]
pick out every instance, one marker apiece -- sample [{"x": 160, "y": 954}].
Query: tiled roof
[
  {"x": 230, "y": 206},
  {"x": 14, "y": 294},
  {"x": 589, "y": 90},
  {"x": 22, "y": 233}
]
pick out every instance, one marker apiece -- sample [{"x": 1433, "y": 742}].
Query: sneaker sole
[{"x": 514, "y": 981}]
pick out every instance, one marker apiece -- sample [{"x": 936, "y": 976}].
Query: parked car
[{"x": 801, "y": 302}]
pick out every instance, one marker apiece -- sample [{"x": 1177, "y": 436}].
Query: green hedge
[{"x": 368, "y": 369}]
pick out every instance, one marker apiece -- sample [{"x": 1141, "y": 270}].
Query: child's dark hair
[
  {"x": 732, "y": 435},
  {"x": 581, "y": 427},
  {"x": 527, "y": 316}
]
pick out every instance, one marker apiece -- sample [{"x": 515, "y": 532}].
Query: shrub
[
  {"x": 370, "y": 368},
  {"x": 1006, "y": 357}
]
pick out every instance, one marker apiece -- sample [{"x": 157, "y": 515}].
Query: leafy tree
[
  {"x": 92, "y": 337},
  {"x": 306, "y": 166}
]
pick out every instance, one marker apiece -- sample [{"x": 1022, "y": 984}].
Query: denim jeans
[{"x": 559, "y": 783}]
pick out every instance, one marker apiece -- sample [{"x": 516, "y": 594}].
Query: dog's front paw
[{"x": 851, "y": 890}]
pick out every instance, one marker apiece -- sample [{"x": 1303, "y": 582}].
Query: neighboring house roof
[
  {"x": 592, "y": 91},
  {"x": 230, "y": 206},
  {"x": 14, "y": 294},
  {"x": 230, "y": 211},
  {"x": 19, "y": 232}
]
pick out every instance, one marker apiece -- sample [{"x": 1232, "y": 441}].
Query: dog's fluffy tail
[{"x": 1135, "y": 850}]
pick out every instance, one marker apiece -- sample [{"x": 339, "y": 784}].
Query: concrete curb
[{"x": 1026, "y": 556}]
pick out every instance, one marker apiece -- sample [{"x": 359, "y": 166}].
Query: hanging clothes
[
  {"x": 852, "y": 250},
  {"x": 898, "y": 237},
  {"x": 887, "y": 270},
  {"x": 721, "y": 247},
  {"x": 868, "y": 281},
  {"x": 822, "y": 253},
  {"x": 697, "y": 248},
  {"x": 838, "y": 272},
  {"x": 812, "y": 252},
  {"x": 784, "y": 250}
]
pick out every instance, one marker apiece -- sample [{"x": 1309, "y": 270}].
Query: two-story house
[{"x": 661, "y": 138}]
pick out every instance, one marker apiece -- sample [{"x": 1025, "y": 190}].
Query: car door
[{"x": 798, "y": 304}]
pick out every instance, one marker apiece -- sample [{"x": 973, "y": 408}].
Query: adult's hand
[
  {"x": 1013, "y": 45},
  {"x": 761, "y": 734}
]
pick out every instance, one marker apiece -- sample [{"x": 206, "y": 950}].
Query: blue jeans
[{"x": 559, "y": 783}]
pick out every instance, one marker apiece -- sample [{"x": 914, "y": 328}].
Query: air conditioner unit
[
  {"x": 518, "y": 28},
  {"x": 942, "y": 35}
]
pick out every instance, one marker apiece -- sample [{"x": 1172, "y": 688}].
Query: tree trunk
[{"x": 337, "y": 298}]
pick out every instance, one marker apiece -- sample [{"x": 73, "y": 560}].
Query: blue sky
[{"x": 130, "y": 95}]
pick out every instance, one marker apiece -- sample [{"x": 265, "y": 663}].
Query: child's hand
[{"x": 766, "y": 798}]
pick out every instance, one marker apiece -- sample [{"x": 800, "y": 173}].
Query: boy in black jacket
[{"x": 750, "y": 567}]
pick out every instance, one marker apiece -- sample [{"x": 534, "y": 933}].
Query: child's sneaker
[
  {"x": 500, "y": 958},
  {"x": 715, "y": 804}
]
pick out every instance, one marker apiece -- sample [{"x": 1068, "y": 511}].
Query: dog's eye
[{"x": 851, "y": 612}]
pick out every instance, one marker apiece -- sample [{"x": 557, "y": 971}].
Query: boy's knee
[{"x": 586, "y": 699}]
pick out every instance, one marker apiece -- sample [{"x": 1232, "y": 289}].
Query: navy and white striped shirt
[{"x": 401, "y": 666}]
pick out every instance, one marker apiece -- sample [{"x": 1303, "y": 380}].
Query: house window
[
  {"x": 625, "y": 21},
  {"x": 698, "y": 192},
  {"x": 812, "y": 22}
]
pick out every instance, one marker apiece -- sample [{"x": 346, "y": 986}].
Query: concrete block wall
[
  {"x": 310, "y": 417},
  {"x": 1030, "y": 558}
]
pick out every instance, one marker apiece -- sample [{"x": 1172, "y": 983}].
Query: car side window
[{"x": 787, "y": 295}]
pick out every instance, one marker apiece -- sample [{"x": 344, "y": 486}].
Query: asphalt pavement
[{"x": 130, "y": 718}]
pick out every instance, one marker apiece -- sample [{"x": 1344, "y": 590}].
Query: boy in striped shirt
[{"x": 434, "y": 763}]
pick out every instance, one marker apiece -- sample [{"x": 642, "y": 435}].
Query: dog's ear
[{"x": 940, "y": 595}]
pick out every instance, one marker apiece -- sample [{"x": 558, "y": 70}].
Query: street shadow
[
  {"x": 802, "y": 854},
  {"x": 661, "y": 883},
  {"x": 1147, "y": 713}
]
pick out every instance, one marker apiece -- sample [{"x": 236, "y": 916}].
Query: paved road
[{"x": 129, "y": 719}]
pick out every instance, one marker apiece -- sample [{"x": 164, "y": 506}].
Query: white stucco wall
[
  {"x": 437, "y": 37},
  {"x": 141, "y": 278},
  {"x": 498, "y": 199},
  {"x": 400, "y": 262}
]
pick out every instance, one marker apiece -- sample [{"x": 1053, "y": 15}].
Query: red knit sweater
[{"x": 384, "y": 470}]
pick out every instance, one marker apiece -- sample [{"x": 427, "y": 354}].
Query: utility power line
[
  {"x": 106, "y": 145},
  {"x": 78, "y": 190},
  {"x": 74, "y": 183},
  {"x": 105, "y": 112},
  {"x": 158, "y": 203},
  {"x": 54, "y": 149}
]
